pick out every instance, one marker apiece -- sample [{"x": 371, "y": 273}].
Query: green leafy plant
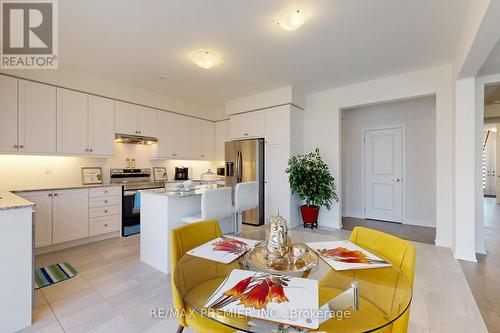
[{"x": 310, "y": 179}]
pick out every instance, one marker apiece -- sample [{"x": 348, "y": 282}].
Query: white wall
[
  {"x": 417, "y": 116},
  {"x": 322, "y": 130},
  {"x": 29, "y": 172},
  {"x": 118, "y": 90}
]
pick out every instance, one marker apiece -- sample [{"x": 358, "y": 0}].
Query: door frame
[{"x": 403, "y": 167}]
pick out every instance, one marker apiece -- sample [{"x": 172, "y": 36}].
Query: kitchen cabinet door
[
  {"x": 208, "y": 137},
  {"x": 195, "y": 141},
  {"x": 179, "y": 136},
  {"x": 238, "y": 126},
  {"x": 36, "y": 117},
  {"x": 146, "y": 121},
  {"x": 101, "y": 126},
  {"x": 255, "y": 124},
  {"x": 72, "y": 122},
  {"x": 43, "y": 216},
  {"x": 70, "y": 215},
  {"x": 277, "y": 125},
  {"x": 164, "y": 135},
  {"x": 8, "y": 114},
  {"x": 277, "y": 188},
  {"x": 126, "y": 118},
  {"x": 248, "y": 125},
  {"x": 222, "y": 136}
]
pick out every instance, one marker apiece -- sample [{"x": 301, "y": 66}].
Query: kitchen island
[
  {"x": 161, "y": 211},
  {"x": 16, "y": 258}
]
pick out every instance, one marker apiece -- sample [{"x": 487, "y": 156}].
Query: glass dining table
[{"x": 382, "y": 295}]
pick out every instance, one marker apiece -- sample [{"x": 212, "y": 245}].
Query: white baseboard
[
  {"x": 78, "y": 242},
  {"x": 422, "y": 223},
  {"x": 357, "y": 215}
]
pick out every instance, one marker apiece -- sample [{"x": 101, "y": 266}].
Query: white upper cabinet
[
  {"x": 146, "y": 121},
  {"x": 200, "y": 139},
  {"x": 8, "y": 114},
  {"x": 172, "y": 133},
  {"x": 126, "y": 118},
  {"x": 222, "y": 136},
  {"x": 208, "y": 137},
  {"x": 164, "y": 131},
  {"x": 72, "y": 120},
  {"x": 195, "y": 141},
  {"x": 278, "y": 125},
  {"x": 36, "y": 117},
  {"x": 101, "y": 126},
  {"x": 85, "y": 124},
  {"x": 135, "y": 120},
  {"x": 179, "y": 136},
  {"x": 248, "y": 125}
]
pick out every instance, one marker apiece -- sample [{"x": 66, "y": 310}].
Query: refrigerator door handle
[{"x": 239, "y": 163}]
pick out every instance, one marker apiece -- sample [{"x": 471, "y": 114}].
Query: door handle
[
  {"x": 396, "y": 180},
  {"x": 240, "y": 167}
]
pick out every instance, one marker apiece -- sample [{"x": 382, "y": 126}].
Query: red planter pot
[{"x": 309, "y": 216}]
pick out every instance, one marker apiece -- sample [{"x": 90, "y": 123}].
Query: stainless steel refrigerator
[{"x": 244, "y": 163}]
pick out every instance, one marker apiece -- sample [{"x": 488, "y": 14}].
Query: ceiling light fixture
[
  {"x": 291, "y": 19},
  {"x": 205, "y": 58}
]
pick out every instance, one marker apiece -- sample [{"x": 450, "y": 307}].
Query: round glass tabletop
[{"x": 379, "y": 297}]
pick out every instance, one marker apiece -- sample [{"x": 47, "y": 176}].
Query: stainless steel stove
[{"x": 132, "y": 181}]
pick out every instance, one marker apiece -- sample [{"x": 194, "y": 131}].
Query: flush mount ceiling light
[
  {"x": 205, "y": 58},
  {"x": 290, "y": 19}
]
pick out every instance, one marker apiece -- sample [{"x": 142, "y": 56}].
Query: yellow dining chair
[
  {"x": 182, "y": 240},
  {"x": 398, "y": 251}
]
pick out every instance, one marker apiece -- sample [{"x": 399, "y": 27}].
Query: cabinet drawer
[
  {"x": 104, "y": 211},
  {"x": 105, "y": 191},
  {"x": 105, "y": 201},
  {"x": 103, "y": 225}
]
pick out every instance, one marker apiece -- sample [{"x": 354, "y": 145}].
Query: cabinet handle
[
  {"x": 16, "y": 146},
  {"x": 105, "y": 201},
  {"x": 86, "y": 149},
  {"x": 105, "y": 211},
  {"x": 245, "y": 134},
  {"x": 105, "y": 191},
  {"x": 50, "y": 194},
  {"x": 55, "y": 194},
  {"x": 90, "y": 149},
  {"x": 21, "y": 146},
  {"x": 105, "y": 224}
]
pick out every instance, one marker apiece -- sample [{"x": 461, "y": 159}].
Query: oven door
[{"x": 131, "y": 218}]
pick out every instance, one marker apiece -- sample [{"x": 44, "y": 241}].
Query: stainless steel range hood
[{"x": 135, "y": 139}]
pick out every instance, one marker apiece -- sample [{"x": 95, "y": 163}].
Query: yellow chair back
[
  {"x": 401, "y": 253},
  {"x": 182, "y": 240}
]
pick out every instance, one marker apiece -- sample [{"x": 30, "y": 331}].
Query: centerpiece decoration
[
  {"x": 278, "y": 254},
  {"x": 310, "y": 179}
]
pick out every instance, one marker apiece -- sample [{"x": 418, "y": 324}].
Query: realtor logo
[{"x": 29, "y": 34}]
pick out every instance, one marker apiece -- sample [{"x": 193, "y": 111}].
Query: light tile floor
[{"x": 114, "y": 291}]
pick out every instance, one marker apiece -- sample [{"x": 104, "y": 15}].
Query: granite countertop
[
  {"x": 9, "y": 200},
  {"x": 62, "y": 187},
  {"x": 178, "y": 194}
]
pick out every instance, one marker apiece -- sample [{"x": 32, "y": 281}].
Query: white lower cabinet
[
  {"x": 105, "y": 210},
  {"x": 43, "y": 216},
  {"x": 67, "y": 215},
  {"x": 70, "y": 215}
]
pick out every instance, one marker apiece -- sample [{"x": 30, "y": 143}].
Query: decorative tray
[{"x": 257, "y": 260}]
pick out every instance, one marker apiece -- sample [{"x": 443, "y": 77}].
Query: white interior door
[
  {"x": 489, "y": 167},
  {"x": 383, "y": 166}
]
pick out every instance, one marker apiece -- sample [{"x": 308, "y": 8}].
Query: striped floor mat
[{"x": 48, "y": 275}]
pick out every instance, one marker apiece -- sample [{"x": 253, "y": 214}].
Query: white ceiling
[{"x": 342, "y": 42}]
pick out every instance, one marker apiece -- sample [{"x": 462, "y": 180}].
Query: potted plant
[{"x": 311, "y": 180}]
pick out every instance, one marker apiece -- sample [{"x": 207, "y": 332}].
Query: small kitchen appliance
[{"x": 181, "y": 173}]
